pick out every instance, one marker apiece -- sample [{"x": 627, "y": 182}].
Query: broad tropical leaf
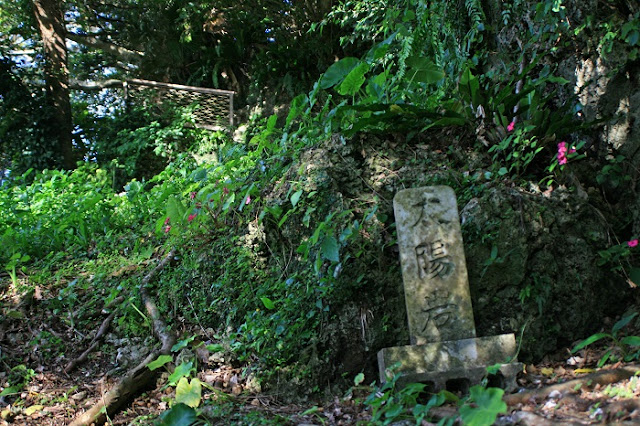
[{"x": 338, "y": 71}]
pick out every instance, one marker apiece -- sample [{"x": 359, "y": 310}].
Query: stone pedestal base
[{"x": 454, "y": 364}]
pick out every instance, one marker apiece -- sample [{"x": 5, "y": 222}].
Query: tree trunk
[{"x": 48, "y": 14}]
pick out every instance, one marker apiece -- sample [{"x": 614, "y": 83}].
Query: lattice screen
[{"x": 215, "y": 106}]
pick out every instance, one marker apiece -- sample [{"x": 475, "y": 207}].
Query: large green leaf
[
  {"x": 295, "y": 197},
  {"x": 423, "y": 70},
  {"x": 634, "y": 275},
  {"x": 178, "y": 415},
  {"x": 329, "y": 248},
  {"x": 469, "y": 87},
  {"x": 11, "y": 390},
  {"x": 631, "y": 340},
  {"x": 159, "y": 362},
  {"x": 268, "y": 303},
  {"x": 488, "y": 403},
  {"x": 182, "y": 344},
  {"x": 338, "y": 71},
  {"x": 175, "y": 209},
  {"x": 189, "y": 393},
  {"x": 589, "y": 340},
  {"x": 181, "y": 371},
  {"x": 353, "y": 81},
  {"x": 296, "y": 107},
  {"x": 623, "y": 322}
]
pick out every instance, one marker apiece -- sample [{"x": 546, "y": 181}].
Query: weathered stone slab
[
  {"x": 460, "y": 379},
  {"x": 444, "y": 350},
  {"x": 440, "y": 362},
  {"x": 433, "y": 265},
  {"x": 448, "y": 355}
]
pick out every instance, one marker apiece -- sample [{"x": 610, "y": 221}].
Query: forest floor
[{"x": 564, "y": 388}]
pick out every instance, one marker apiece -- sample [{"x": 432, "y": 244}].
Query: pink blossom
[
  {"x": 191, "y": 217},
  {"x": 632, "y": 243},
  {"x": 248, "y": 200},
  {"x": 167, "y": 229},
  {"x": 511, "y": 126},
  {"x": 192, "y": 195},
  {"x": 562, "y": 153},
  {"x": 572, "y": 150},
  {"x": 562, "y": 159},
  {"x": 562, "y": 147},
  {"x": 167, "y": 220}
]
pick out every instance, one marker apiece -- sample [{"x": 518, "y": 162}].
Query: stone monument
[{"x": 444, "y": 351}]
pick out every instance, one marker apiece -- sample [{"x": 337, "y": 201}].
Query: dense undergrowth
[{"x": 286, "y": 255}]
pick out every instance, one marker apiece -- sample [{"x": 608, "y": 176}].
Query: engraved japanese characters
[
  {"x": 433, "y": 265},
  {"x": 444, "y": 348}
]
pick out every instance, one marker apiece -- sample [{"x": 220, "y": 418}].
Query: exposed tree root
[
  {"x": 603, "y": 377},
  {"x": 628, "y": 405},
  {"x": 139, "y": 377}
]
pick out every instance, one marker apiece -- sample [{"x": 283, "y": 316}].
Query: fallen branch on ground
[
  {"x": 139, "y": 377},
  {"x": 101, "y": 331},
  {"x": 603, "y": 377}
]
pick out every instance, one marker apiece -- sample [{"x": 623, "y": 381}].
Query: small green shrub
[{"x": 620, "y": 348}]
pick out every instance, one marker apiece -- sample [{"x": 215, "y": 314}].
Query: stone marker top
[{"x": 434, "y": 270}]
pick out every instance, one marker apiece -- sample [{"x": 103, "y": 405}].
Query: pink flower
[
  {"x": 225, "y": 190},
  {"x": 192, "y": 195},
  {"x": 167, "y": 229},
  {"x": 572, "y": 150},
  {"x": 167, "y": 220},
  {"x": 511, "y": 126},
  {"x": 632, "y": 243},
  {"x": 191, "y": 217},
  {"x": 562, "y": 147},
  {"x": 562, "y": 153},
  {"x": 248, "y": 200},
  {"x": 562, "y": 160}
]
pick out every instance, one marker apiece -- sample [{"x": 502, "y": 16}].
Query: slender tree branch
[
  {"x": 119, "y": 51},
  {"x": 94, "y": 85},
  {"x": 101, "y": 331}
]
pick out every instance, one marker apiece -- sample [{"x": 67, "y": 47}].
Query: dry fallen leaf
[{"x": 546, "y": 371}]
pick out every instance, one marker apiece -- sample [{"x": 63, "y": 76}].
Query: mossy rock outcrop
[
  {"x": 533, "y": 258},
  {"x": 533, "y": 262}
]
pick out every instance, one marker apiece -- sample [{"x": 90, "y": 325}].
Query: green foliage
[
  {"x": 612, "y": 174},
  {"x": 516, "y": 152},
  {"x": 189, "y": 392},
  {"x": 57, "y": 211},
  {"x": 159, "y": 362},
  {"x": 179, "y": 415},
  {"x": 525, "y": 122},
  {"x": 389, "y": 403},
  {"x": 482, "y": 406},
  {"x": 620, "y": 258},
  {"x": 622, "y": 390},
  {"x": 18, "y": 377},
  {"x": 620, "y": 348},
  {"x": 140, "y": 140},
  {"x": 620, "y": 28},
  {"x": 25, "y": 123},
  {"x": 12, "y": 266}
]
